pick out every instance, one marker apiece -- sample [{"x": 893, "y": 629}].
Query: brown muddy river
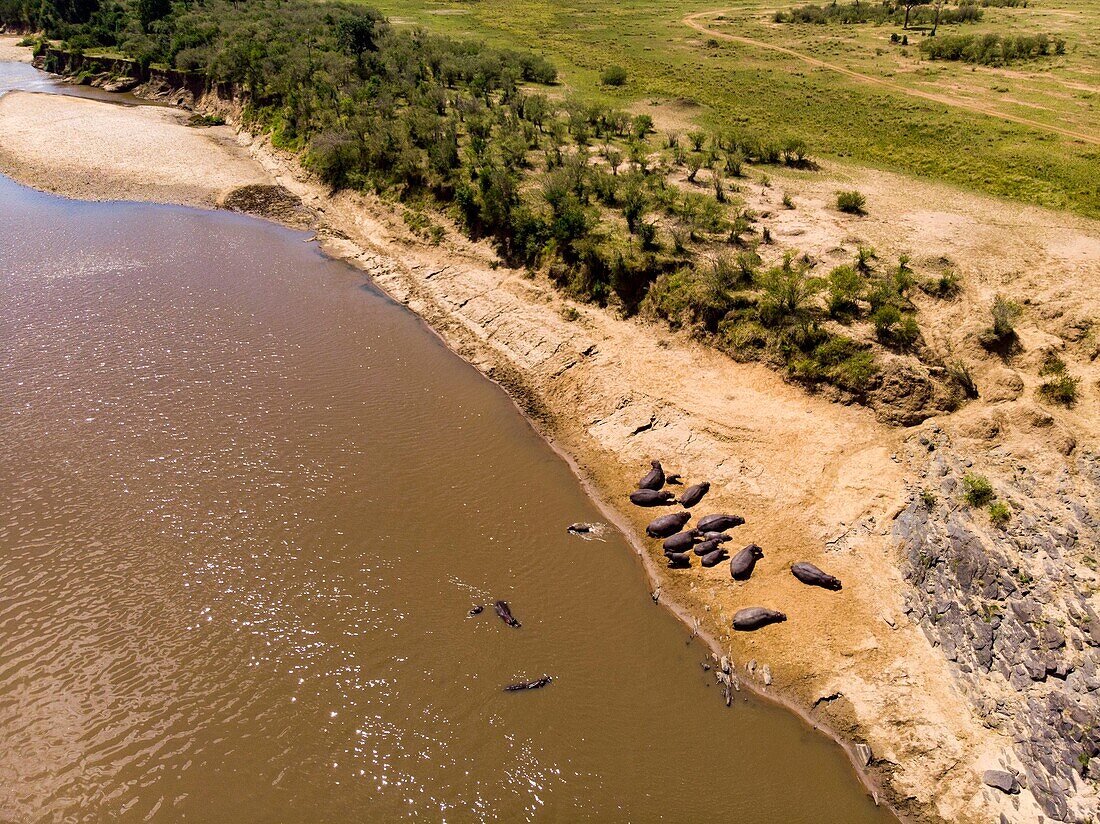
[{"x": 247, "y": 504}]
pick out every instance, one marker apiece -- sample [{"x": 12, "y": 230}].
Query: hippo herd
[{"x": 705, "y": 541}]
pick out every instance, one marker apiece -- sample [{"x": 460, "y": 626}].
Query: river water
[{"x": 247, "y": 504}]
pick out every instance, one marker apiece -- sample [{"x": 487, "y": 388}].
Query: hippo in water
[
  {"x": 650, "y": 497},
  {"x": 714, "y": 558},
  {"x": 475, "y": 610},
  {"x": 538, "y": 683},
  {"x": 746, "y": 620},
  {"x": 654, "y": 479},
  {"x": 719, "y": 523},
  {"x": 678, "y": 560},
  {"x": 742, "y": 564},
  {"x": 809, "y": 574},
  {"x": 706, "y": 547},
  {"x": 681, "y": 541},
  {"x": 667, "y": 524},
  {"x": 693, "y": 494},
  {"x": 505, "y": 613}
]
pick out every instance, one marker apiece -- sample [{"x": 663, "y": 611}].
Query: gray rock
[{"x": 999, "y": 779}]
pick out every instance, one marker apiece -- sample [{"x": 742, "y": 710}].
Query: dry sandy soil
[
  {"x": 815, "y": 480},
  {"x": 82, "y": 148}
]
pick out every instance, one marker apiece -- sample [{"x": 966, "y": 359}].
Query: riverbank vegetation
[{"x": 612, "y": 210}]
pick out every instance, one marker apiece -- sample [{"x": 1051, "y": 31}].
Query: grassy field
[{"x": 720, "y": 83}]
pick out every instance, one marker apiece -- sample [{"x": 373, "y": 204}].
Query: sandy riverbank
[{"x": 816, "y": 481}]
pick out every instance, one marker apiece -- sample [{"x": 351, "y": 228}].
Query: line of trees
[
  {"x": 905, "y": 12},
  {"x": 992, "y": 49}
]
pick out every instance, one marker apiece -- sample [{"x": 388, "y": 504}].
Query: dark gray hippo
[
  {"x": 678, "y": 560},
  {"x": 720, "y": 537},
  {"x": 693, "y": 494},
  {"x": 654, "y": 479},
  {"x": 714, "y": 558},
  {"x": 720, "y": 523},
  {"x": 706, "y": 547},
  {"x": 538, "y": 683},
  {"x": 667, "y": 524},
  {"x": 505, "y": 613},
  {"x": 650, "y": 497},
  {"x": 809, "y": 574},
  {"x": 673, "y": 478},
  {"x": 743, "y": 563},
  {"x": 681, "y": 541},
  {"x": 750, "y": 618}
]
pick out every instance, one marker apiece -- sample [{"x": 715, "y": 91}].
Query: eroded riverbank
[{"x": 614, "y": 393}]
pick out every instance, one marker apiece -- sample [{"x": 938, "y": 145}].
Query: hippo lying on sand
[
  {"x": 650, "y": 497},
  {"x": 743, "y": 563},
  {"x": 693, "y": 494},
  {"x": 752, "y": 618},
  {"x": 720, "y": 537},
  {"x": 681, "y": 541},
  {"x": 678, "y": 560},
  {"x": 667, "y": 524},
  {"x": 706, "y": 547},
  {"x": 714, "y": 558},
  {"x": 505, "y": 613},
  {"x": 719, "y": 523},
  {"x": 809, "y": 574},
  {"x": 654, "y": 479},
  {"x": 529, "y": 685}
]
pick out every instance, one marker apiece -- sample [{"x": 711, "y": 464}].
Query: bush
[
  {"x": 614, "y": 76},
  {"x": 1003, "y": 331},
  {"x": 977, "y": 491},
  {"x": 1060, "y": 389},
  {"x": 845, "y": 289},
  {"x": 852, "y": 202},
  {"x": 999, "y": 513},
  {"x": 928, "y": 499}
]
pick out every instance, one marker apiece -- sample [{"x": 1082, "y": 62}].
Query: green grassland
[{"x": 779, "y": 96}]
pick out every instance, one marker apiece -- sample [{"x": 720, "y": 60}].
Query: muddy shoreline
[{"x": 594, "y": 388}]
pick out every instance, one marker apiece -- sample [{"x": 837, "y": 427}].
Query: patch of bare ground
[
  {"x": 10, "y": 50},
  {"x": 815, "y": 480}
]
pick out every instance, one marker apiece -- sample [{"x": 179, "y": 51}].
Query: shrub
[
  {"x": 945, "y": 286},
  {"x": 1005, "y": 314},
  {"x": 977, "y": 491},
  {"x": 614, "y": 76},
  {"x": 928, "y": 499},
  {"x": 852, "y": 202},
  {"x": 1060, "y": 389},
  {"x": 999, "y": 513},
  {"x": 845, "y": 289},
  {"x": 960, "y": 375},
  {"x": 788, "y": 295},
  {"x": 788, "y": 203}
]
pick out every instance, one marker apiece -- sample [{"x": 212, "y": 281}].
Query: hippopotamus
[
  {"x": 673, "y": 478},
  {"x": 529, "y": 685},
  {"x": 809, "y": 574},
  {"x": 680, "y": 541},
  {"x": 714, "y": 558},
  {"x": 650, "y": 497},
  {"x": 720, "y": 537},
  {"x": 750, "y": 618},
  {"x": 667, "y": 524},
  {"x": 693, "y": 494},
  {"x": 505, "y": 613},
  {"x": 654, "y": 479},
  {"x": 720, "y": 523},
  {"x": 475, "y": 610},
  {"x": 742, "y": 564},
  {"x": 678, "y": 560},
  {"x": 706, "y": 546}
]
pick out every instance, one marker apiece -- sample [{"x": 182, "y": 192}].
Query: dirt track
[{"x": 695, "y": 22}]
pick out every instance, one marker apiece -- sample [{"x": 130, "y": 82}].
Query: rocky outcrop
[{"x": 1014, "y": 608}]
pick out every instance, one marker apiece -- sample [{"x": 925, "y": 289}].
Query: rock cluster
[{"x": 1014, "y": 608}]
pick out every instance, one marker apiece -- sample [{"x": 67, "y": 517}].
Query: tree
[
  {"x": 909, "y": 4},
  {"x": 357, "y": 36}
]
